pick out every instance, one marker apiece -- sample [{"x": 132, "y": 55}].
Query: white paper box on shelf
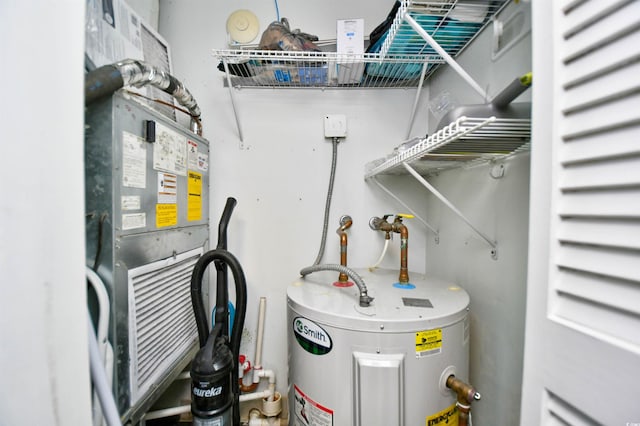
[{"x": 350, "y": 41}]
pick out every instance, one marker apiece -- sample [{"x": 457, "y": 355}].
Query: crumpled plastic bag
[{"x": 278, "y": 36}]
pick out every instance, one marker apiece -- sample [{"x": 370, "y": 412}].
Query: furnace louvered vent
[{"x": 162, "y": 323}]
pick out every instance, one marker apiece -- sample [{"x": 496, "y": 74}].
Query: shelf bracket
[
  {"x": 233, "y": 102},
  {"x": 438, "y": 194},
  {"x": 417, "y": 216},
  {"x": 452, "y": 62}
]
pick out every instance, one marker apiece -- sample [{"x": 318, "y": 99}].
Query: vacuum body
[{"x": 214, "y": 388}]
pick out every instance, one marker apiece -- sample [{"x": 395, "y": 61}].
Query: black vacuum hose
[{"x": 241, "y": 306}]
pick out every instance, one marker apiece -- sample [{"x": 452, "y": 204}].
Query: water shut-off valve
[{"x": 381, "y": 224}]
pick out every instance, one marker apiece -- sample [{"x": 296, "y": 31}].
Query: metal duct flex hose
[
  {"x": 107, "y": 79},
  {"x": 365, "y": 299}
]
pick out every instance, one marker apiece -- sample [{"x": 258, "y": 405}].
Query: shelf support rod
[
  {"x": 415, "y": 101},
  {"x": 452, "y": 63},
  {"x": 233, "y": 100},
  {"x": 409, "y": 209},
  {"x": 448, "y": 203}
]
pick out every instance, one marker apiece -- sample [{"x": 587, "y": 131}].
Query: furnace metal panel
[{"x": 147, "y": 203}]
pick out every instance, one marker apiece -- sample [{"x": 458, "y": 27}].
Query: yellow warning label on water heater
[
  {"x": 166, "y": 215},
  {"x": 448, "y": 417},
  {"x": 194, "y": 198},
  {"x": 428, "y": 342}
]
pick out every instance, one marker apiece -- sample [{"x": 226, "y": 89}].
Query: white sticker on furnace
[
  {"x": 134, "y": 221},
  {"x": 170, "y": 151},
  {"x": 134, "y": 161},
  {"x": 308, "y": 412}
]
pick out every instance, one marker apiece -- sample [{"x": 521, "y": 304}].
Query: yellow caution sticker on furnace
[
  {"x": 166, "y": 215},
  {"x": 448, "y": 417},
  {"x": 428, "y": 342},
  {"x": 194, "y": 196}
]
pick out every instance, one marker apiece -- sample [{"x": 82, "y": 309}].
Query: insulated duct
[{"x": 107, "y": 79}]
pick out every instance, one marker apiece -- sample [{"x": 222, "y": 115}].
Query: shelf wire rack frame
[
  {"x": 467, "y": 139},
  {"x": 424, "y": 35}
]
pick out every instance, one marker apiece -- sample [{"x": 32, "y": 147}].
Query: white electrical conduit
[{"x": 104, "y": 347}]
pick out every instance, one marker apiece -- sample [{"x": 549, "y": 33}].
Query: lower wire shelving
[{"x": 466, "y": 141}]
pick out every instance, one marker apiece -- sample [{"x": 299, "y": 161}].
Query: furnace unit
[{"x": 147, "y": 204}]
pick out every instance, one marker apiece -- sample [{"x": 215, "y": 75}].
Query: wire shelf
[
  {"x": 466, "y": 141},
  {"x": 420, "y": 38},
  {"x": 309, "y": 70}
]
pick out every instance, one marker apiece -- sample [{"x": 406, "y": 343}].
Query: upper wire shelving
[{"x": 422, "y": 36}]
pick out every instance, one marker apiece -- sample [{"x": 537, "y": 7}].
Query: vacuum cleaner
[{"x": 215, "y": 390}]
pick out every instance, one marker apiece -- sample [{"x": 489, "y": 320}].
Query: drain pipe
[
  {"x": 466, "y": 394},
  {"x": 105, "y": 80},
  {"x": 257, "y": 367},
  {"x": 381, "y": 224},
  {"x": 345, "y": 223}
]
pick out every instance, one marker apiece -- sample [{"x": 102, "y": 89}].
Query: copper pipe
[
  {"x": 381, "y": 224},
  {"x": 345, "y": 223},
  {"x": 466, "y": 394},
  {"x": 246, "y": 388},
  {"x": 404, "y": 249}
]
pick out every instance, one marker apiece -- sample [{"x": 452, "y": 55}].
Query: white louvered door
[{"x": 582, "y": 347}]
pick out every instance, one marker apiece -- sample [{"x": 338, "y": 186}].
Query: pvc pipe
[
  {"x": 269, "y": 374},
  {"x": 261, "y": 315},
  {"x": 99, "y": 379},
  {"x": 257, "y": 395},
  {"x": 167, "y": 412}
]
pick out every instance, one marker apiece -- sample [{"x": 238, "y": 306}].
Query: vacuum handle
[
  {"x": 224, "y": 223},
  {"x": 512, "y": 91}
]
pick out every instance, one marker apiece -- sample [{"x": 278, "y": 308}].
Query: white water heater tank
[{"x": 381, "y": 365}]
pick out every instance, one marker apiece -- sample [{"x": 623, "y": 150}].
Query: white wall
[{"x": 43, "y": 319}]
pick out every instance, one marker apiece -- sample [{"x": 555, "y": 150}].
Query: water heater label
[
  {"x": 448, "y": 417},
  {"x": 308, "y": 412},
  {"x": 428, "y": 342},
  {"x": 313, "y": 338}
]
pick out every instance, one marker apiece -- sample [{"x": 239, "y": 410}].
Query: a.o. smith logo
[{"x": 313, "y": 338}]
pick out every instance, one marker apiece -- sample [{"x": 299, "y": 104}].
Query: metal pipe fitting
[
  {"x": 345, "y": 223},
  {"x": 466, "y": 394},
  {"x": 381, "y": 224}
]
